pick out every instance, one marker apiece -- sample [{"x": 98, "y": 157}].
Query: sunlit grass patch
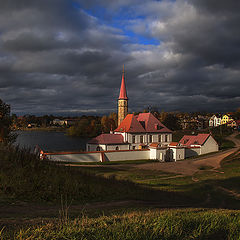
[{"x": 167, "y": 224}]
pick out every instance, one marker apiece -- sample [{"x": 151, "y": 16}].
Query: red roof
[
  {"x": 108, "y": 139},
  {"x": 123, "y": 91},
  {"x": 151, "y": 123},
  {"x": 130, "y": 124},
  {"x": 143, "y": 123},
  {"x": 188, "y": 140},
  {"x": 173, "y": 144},
  {"x": 154, "y": 145}
]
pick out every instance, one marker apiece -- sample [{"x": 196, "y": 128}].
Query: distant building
[
  {"x": 232, "y": 124},
  {"x": 215, "y": 121},
  {"x": 58, "y": 122},
  {"x": 226, "y": 118},
  {"x": 70, "y": 122},
  {"x": 66, "y": 122}
]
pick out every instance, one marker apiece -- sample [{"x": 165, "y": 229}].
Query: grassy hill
[{"x": 201, "y": 197}]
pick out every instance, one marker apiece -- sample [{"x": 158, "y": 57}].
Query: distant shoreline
[{"x": 43, "y": 129}]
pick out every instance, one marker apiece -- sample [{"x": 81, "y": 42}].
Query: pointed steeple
[{"x": 123, "y": 91}]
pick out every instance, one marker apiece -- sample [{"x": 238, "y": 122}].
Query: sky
[{"x": 65, "y": 57}]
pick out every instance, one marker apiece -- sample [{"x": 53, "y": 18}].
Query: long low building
[{"x": 113, "y": 148}]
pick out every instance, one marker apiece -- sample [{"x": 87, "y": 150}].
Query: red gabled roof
[
  {"x": 130, "y": 124},
  {"x": 123, "y": 91},
  {"x": 152, "y": 124},
  {"x": 142, "y": 123},
  {"x": 107, "y": 139},
  {"x": 188, "y": 140}
]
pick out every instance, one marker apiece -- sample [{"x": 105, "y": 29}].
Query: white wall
[
  {"x": 81, "y": 157},
  {"x": 104, "y": 147},
  {"x": 96, "y": 156},
  {"x": 209, "y": 146},
  {"x": 191, "y": 152},
  {"x": 177, "y": 153},
  {"x": 127, "y": 155},
  {"x": 93, "y": 147},
  {"x": 120, "y": 147},
  {"x": 158, "y": 154}
]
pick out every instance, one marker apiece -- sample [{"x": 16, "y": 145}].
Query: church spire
[
  {"x": 122, "y": 101},
  {"x": 123, "y": 91}
]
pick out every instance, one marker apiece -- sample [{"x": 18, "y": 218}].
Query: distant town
[{"x": 173, "y": 120}]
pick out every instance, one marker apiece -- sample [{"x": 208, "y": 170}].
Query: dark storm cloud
[{"x": 57, "y": 57}]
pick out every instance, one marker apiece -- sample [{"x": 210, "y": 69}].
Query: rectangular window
[
  {"x": 133, "y": 139},
  {"x": 141, "y": 139},
  {"x": 133, "y": 147},
  {"x": 166, "y": 138},
  {"x": 150, "y": 138},
  {"x": 159, "y": 138}
]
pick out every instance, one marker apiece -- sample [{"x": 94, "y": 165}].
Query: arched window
[
  {"x": 98, "y": 148},
  {"x": 117, "y": 148}
]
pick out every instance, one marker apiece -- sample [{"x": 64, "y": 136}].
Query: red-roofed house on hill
[{"x": 198, "y": 144}]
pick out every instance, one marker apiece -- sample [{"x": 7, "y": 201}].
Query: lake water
[{"x": 50, "y": 141}]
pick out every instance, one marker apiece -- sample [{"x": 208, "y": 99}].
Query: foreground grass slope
[
  {"x": 23, "y": 177},
  {"x": 166, "y": 224}
]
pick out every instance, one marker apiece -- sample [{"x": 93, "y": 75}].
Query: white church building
[{"x": 133, "y": 131}]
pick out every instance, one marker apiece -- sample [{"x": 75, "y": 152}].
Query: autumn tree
[
  {"x": 109, "y": 123},
  {"x": 85, "y": 127}
]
